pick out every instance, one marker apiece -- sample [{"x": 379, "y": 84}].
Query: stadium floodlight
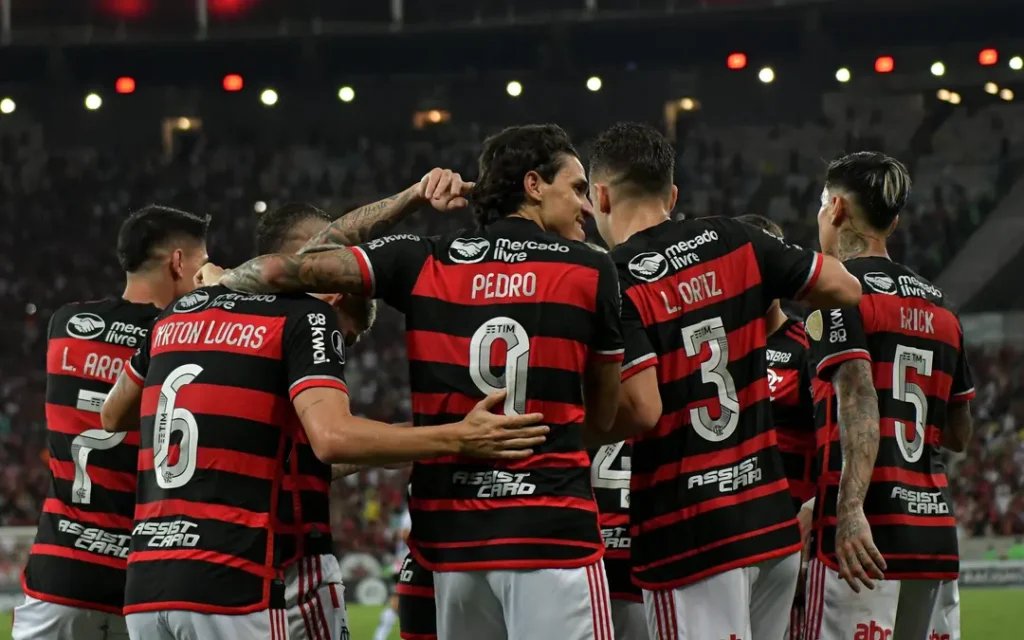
[
  {"x": 233, "y": 82},
  {"x": 943, "y": 95},
  {"x": 843, "y": 74},
  {"x": 125, "y": 84},
  {"x": 988, "y": 57},
  {"x": 1016, "y": 63},
  {"x": 514, "y": 88},
  {"x": 991, "y": 88},
  {"x": 93, "y": 102},
  {"x": 7, "y": 106},
  {"x": 594, "y": 83},
  {"x": 268, "y": 97},
  {"x": 766, "y": 75},
  {"x": 1006, "y": 94},
  {"x": 687, "y": 104},
  {"x": 260, "y": 206},
  {"x": 736, "y": 61},
  {"x": 938, "y": 69},
  {"x": 954, "y": 98},
  {"x": 346, "y": 94},
  {"x": 884, "y": 64}
]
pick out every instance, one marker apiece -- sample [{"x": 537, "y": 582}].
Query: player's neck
[
  {"x": 141, "y": 289},
  {"x": 855, "y": 243},
  {"x": 776, "y": 318},
  {"x": 633, "y": 217}
]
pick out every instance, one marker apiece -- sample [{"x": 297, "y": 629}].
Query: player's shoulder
[
  {"x": 113, "y": 319},
  {"x": 254, "y": 304},
  {"x": 883, "y": 277}
]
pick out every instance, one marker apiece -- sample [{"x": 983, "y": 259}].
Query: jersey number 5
[
  {"x": 714, "y": 371},
  {"x": 170, "y": 419},
  {"x": 921, "y": 362},
  {"x": 517, "y": 361}
]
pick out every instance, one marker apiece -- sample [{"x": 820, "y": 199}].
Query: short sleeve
[
  {"x": 314, "y": 348},
  {"x": 391, "y": 265},
  {"x": 639, "y": 353},
  {"x": 138, "y": 365},
  {"x": 607, "y": 340},
  {"x": 837, "y": 335},
  {"x": 963, "y": 378},
  {"x": 788, "y": 271}
]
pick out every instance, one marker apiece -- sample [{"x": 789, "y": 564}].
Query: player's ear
[
  {"x": 604, "y": 200},
  {"x": 177, "y": 263},
  {"x": 673, "y": 197},
  {"x": 533, "y": 185},
  {"x": 839, "y": 211}
]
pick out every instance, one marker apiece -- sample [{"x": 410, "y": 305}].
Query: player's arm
[
  {"x": 959, "y": 423},
  {"x": 603, "y": 370},
  {"x": 442, "y": 188},
  {"x": 801, "y": 274},
  {"x": 122, "y": 408}
]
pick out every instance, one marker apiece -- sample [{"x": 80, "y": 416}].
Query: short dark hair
[
  {"x": 153, "y": 226},
  {"x": 505, "y": 160},
  {"x": 762, "y": 223},
  {"x": 637, "y": 156},
  {"x": 878, "y": 184},
  {"x": 275, "y": 228}
]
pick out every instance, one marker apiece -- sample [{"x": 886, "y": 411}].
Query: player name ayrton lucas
[{"x": 236, "y": 334}]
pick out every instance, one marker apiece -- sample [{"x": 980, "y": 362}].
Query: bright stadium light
[
  {"x": 7, "y": 106},
  {"x": 988, "y": 57},
  {"x": 594, "y": 83},
  {"x": 93, "y": 102},
  {"x": 1016, "y": 63},
  {"x": 1006, "y": 94},
  {"x": 843, "y": 75},
  {"x": 268, "y": 97},
  {"x": 938, "y": 69},
  {"x": 514, "y": 89},
  {"x": 736, "y": 61},
  {"x": 766, "y": 75},
  {"x": 954, "y": 98},
  {"x": 943, "y": 95},
  {"x": 884, "y": 64},
  {"x": 259, "y": 206},
  {"x": 346, "y": 94},
  {"x": 991, "y": 88}
]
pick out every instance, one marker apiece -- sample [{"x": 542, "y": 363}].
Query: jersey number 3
[
  {"x": 714, "y": 371},
  {"x": 170, "y": 419}
]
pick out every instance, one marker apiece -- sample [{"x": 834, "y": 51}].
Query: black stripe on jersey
[
  {"x": 63, "y": 389},
  {"x": 163, "y": 584},
  {"x": 545, "y": 383},
  {"x": 92, "y": 585},
  {"x": 566, "y": 438},
  {"x": 620, "y": 580},
  {"x": 119, "y": 502},
  {"x": 219, "y": 536},
  {"x": 678, "y": 394},
  {"x": 216, "y": 487},
  {"x": 468, "y": 526},
  {"x": 547, "y": 319},
  {"x": 238, "y": 370}
]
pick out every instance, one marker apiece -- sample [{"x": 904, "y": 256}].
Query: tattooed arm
[
  {"x": 857, "y": 400},
  {"x": 331, "y": 271},
  {"x": 442, "y": 188}
]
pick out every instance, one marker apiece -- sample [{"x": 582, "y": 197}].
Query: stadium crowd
[{"x": 60, "y": 208}]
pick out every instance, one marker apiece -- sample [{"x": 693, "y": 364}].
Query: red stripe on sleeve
[
  {"x": 365, "y": 269},
  {"x": 812, "y": 278},
  {"x": 133, "y": 375},
  {"x": 843, "y": 356},
  {"x": 317, "y": 382}
]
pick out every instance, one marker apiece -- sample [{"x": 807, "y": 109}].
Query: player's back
[
  {"x": 708, "y": 493},
  {"x": 81, "y": 547},
  {"x": 914, "y": 343},
  {"x": 792, "y": 407},
  {"x": 220, "y": 370},
  {"x": 510, "y": 306}
]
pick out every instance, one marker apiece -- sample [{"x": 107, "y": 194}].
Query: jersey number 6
[{"x": 170, "y": 419}]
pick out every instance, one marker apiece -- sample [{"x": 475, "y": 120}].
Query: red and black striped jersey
[
  {"x": 915, "y": 346},
  {"x": 303, "y": 511},
  {"x": 219, "y": 372},
  {"x": 609, "y": 475},
  {"x": 708, "y": 492},
  {"x": 417, "y": 611},
  {"x": 81, "y": 546},
  {"x": 509, "y": 306},
  {"x": 789, "y": 383}
]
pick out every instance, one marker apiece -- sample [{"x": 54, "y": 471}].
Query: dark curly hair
[
  {"x": 506, "y": 158},
  {"x": 879, "y": 184},
  {"x": 636, "y": 157}
]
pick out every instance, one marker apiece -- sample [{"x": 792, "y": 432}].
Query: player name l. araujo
[
  {"x": 921, "y": 502},
  {"x": 236, "y": 334},
  {"x": 96, "y": 540},
  {"x": 174, "y": 533},
  {"x": 98, "y": 366},
  {"x": 495, "y": 484},
  {"x": 730, "y": 478}
]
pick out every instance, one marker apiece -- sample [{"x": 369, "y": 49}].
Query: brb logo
[{"x": 872, "y": 631}]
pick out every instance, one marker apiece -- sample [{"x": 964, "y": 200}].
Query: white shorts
[
  {"x": 189, "y": 625},
  {"x": 629, "y": 620},
  {"x": 40, "y": 620},
  {"x": 314, "y": 597},
  {"x": 749, "y": 603},
  {"x": 567, "y": 604},
  {"x": 912, "y": 609}
]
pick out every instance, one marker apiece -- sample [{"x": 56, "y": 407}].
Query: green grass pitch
[{"x": 987, "y": 614}]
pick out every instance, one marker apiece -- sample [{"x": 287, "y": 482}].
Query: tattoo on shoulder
[{"x": 365, "y": 223}]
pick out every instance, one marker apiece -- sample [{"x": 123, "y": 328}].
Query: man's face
[
  {"x": 564, "y": 204},
  {"x": 828, "y": 233},
  {"x": 190, "y": 261}
]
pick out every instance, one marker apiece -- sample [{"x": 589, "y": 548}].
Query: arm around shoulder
[{"x": 834, "y": 287}]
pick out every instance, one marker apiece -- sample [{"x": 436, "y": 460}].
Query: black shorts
[{"x": 417, "y": 617}]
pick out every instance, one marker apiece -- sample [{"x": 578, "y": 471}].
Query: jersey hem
[
  {"x": 208, "y": 609},
  {"x": 828, "y": 561},
  {"x": 507, "y": 565},
  {"x": 630, "y": 369},
  {"x": 736, "y": 564},
  {"x": 69, "y": 602}
]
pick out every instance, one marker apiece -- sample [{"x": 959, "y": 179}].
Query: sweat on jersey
[
  {"x": 789, "y": 382},
  {"x": 509, "y": 306},
  {"x": 914, "y": 344},
  {"x": 219, "y": 372},
  {"x": 81, "y": 546},
  {"x": 708, "y": 492}
]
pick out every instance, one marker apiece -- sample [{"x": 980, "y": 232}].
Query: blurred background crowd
[{"x": 69, "y": 177}]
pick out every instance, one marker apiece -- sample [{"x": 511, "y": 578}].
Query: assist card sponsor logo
[
  {"x": 191, "y": 302},
  {"x": 648, "y": 266},
  {"x": 468, "y": 250},
  {"x": 85, "y": 326},
  {"x": 880, "y": 283}
]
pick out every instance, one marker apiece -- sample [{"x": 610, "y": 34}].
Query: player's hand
[
  {"x": 859, "y": 559},
  {"x": 805, "y": 517},
  {"x": 444, "y": 190},
  {"x": 208, "y": 276},
  {"x": 488, "y": 435}
]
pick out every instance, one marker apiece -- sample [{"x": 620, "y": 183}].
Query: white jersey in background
[{"x": 401, "y": 548}]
